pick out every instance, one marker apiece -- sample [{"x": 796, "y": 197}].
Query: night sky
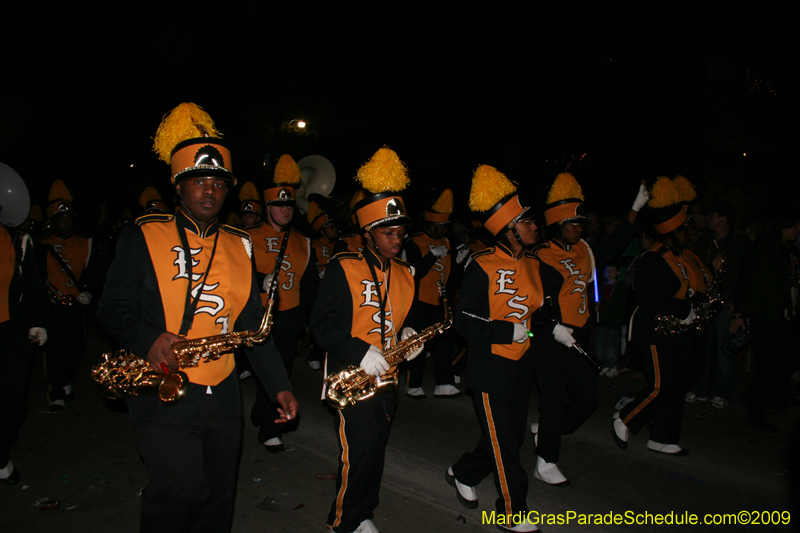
[{"x": 613, "y": 95}]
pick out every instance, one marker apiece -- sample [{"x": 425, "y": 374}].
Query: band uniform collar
[
  {"x": 373, "y": 258},
  {"x": 184, "y": 220}
]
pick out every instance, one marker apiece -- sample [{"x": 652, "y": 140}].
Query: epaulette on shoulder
[
  {"x": 541, "y": 246},
  {"x": 402, "y": 263},
  {"x": 480, "y": 253},
  {"x": 236, "y": 231},
  {"x": 348, "y": 255},
  {"x": 155, "y": 217},
  {"x": 417, "y": 234}
]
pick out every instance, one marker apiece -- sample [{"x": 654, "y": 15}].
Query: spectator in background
[
  {"x": 610, "y": 318},
  {"x": 766, "y": 294},
  {"x": 720, "y": 247}
]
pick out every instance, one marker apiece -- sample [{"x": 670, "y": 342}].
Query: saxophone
[
  {"x": 353, "y": 385},
  {"x": 705, "y": 309},
  {"x": 123, "y": 374}
]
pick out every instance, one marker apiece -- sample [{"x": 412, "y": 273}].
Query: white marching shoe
[
  {"x": 549, "y": 473},
  {"x": 467, "y": 496},
  {"x": 446, "y": 391},
  {"x": 524, "y": 526},
  {"x": 669, "y": 449},
  {"x": 621, "y": 432},
  {"x": 367, "y": 526}
]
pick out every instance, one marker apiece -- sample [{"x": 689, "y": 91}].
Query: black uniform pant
[
  {"x": 286, "y": 329},
  {"x": 667, "y": 374},
  {"x": 64, "y": 348},
  {"x": 441, "y": 347},
  {"x": 15, "y": 359},
  {"x": 567, "y": 395},
  {"x": 363, "y": 431},
  {"x": 504, "y": 421},
  {"x": 191, "y": 469}
]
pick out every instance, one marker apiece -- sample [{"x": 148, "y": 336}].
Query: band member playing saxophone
[
  {"x": 363, "y": 304},
  {"x": 184, "y": 276}
]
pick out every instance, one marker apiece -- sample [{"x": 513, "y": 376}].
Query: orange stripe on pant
[
  {"x": 498, "y": 459},
  {"x": 656, "y": 386},
  {"x": 345, "y": 471}
]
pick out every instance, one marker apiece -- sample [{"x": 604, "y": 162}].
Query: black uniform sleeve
[
  {"x": 309, "y": 284},
  {"x": 34, "y": 298},
  {"x": 472, "y": 318},
  {"x": 130, "y": 307},
  {"x": 422, "y": 264},
  {"x": 655, "y": 286},
  {"x": 340, "y": 246},
  {"x": 264, "y": 358},
  {"x": 332, "y": 318}
]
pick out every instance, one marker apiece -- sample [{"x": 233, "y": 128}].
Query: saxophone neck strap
[
  {"x": 190, "y": 305},
  {"x": 381, "y": 299}
]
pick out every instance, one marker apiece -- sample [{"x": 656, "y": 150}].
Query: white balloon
[{"x": 15, "y": 202}]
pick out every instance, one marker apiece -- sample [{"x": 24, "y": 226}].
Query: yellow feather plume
[
  {"x": 357, "y": 197},
  {"x": 565, "y": 186},
  {"x": 686, "y": 192},
  {"x": 249, "y": 192},
  {"x": 59, "y": 191},
  {"x": 445, "y": 202},
  {"x": 664, "y": 193},
  {"x": 286, "y": 171},
  {"x": 35, "y": 213},
  {"x": 180, "y": 124},
  {"x": 313, "y": 211},
  {"x": 384, "y": 172},
  {"x": 148, "y": 195},
  {"x": 489, "y": 186}
]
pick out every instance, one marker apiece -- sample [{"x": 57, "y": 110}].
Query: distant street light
[{"x": 296, "y": 125}]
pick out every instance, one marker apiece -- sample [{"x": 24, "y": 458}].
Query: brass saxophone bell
[{"x": 173, "y": 387}]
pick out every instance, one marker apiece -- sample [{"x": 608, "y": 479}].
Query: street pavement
[{"x": 84, "y": 458}]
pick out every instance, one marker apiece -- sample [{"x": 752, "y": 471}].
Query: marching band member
[
  {"x": 184, "y": 276},
  {"x": 24, "y": 319},
  {"x": 297, "y": 285},
  {"x": 663, "y": 284},
  {"x": 567, "y": 390},
  {"x": 429, "y": 253},
  {"x": 500, "y": 292},
  {"x": 364, "y": 301},
  {"x": 64, "y": 260}
]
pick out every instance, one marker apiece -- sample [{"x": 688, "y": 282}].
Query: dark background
[{"x": 613, "y": 95}]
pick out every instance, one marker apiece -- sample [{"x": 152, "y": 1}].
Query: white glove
[
  {"x": 641, "y": 199},
  {"x": 563, "y": 334},
  {"x": 520, "y": 333},
  {"x": 409, "y": 332},
  {"x": 439, "y": 251},
  {"x": 38, "y": 335},
  {"x": 267, "y": 282},
  {"x": 84, "y": 298},
  {"x": 374, "y": 363},
  {"x": 689, "y": 319},
  {"x": 463, "y": 253}
]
